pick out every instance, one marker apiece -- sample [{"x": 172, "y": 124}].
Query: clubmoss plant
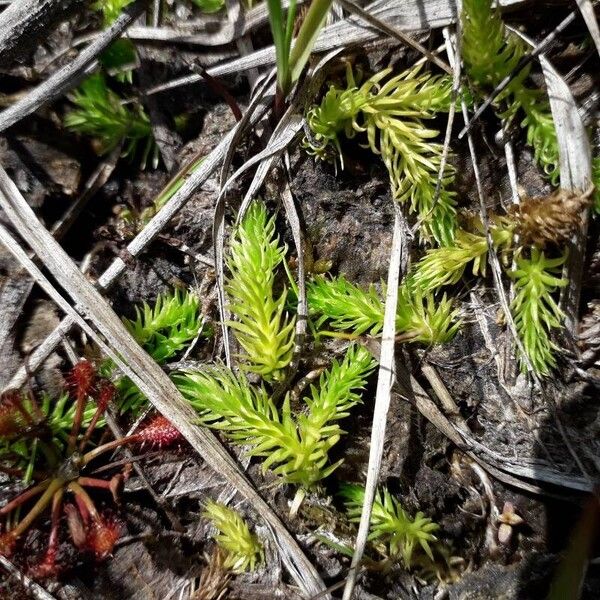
[
  {"x": 446, "y": 265},
  {"x": 392, "y": 114},
  {"x": 209, "y": 6},
  {"x": 534, "y": 309},
  {"x": 402, "y": 535},
  {"x": 296, "y": 447},
  {"x": 243, "y": 550},
  {"x": 347, "y": 307},
  {"x": 119, "y": 58},
  {"x": 263, "y": 328},
  {"x": 169, "y": 326},
  {"x": 101, "y": 115},
  {"x": 491, "y": 53},
  {"x": 163, "y": 330}
]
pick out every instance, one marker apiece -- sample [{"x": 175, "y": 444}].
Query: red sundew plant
[{"x": 67, "y": 444}]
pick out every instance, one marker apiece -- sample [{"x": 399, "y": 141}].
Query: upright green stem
[{"x": 311, "y": 26}]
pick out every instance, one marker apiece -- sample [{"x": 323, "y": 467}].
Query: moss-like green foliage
[
  {"x": 243, "y": 550},
  {"x": 209, "y": 6},
  {"x": 392, "y": 114},
  {"x": 54, "y": 418},
  {"x": 295, "y": 447},
  {"x": 263, "y": 328},
  {"x": 348, "y": 307},
  {"x": 487, "y": 54},
  {"x": 425, "y": 318},
  {"x": 534, "y": 309},
  {"x": 118, "y": 58},
  {"x": 101, "y": 115},
  {"x": 390, "y": 524},
  {"x": 163, "y": 330},
  {"x": 490, "y": 53},
  {"x": 110, "y": 9},
  {"x": 446, "y": 265}
]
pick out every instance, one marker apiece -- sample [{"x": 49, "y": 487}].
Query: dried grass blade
[
  {"x": 23, "y": 24},
  {"x": 589, "y": 16},
  {"x": 410, "y": 15},
  {"x": 385, "y": 380},
  {"x": 37, "y": 591},
  {"x": 209, "y": 30},
  {"x": 575, "y": 159},
  {"x": 394, "y": 32}
]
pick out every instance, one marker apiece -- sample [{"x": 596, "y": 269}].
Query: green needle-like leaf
[
  {"x": 534, "y": 309},
  {"x": 295, "y": 448},
  {"x": 243, "y": 550},
  {"x": 392, "y": 115},
  {"x": 262, "y": 326},
  {"x": 391, "y": 524}
]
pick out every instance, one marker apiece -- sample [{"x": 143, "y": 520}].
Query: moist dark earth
[{"x": 347, "y": 217}]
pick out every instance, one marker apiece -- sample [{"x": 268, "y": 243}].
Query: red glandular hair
[
  {"x": 159, "y": 432},
  {"x": 102, "y": 537}
]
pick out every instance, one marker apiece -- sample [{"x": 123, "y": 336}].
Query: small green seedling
[
  {"x": 402, "y": 535},
  {"x": 392, "y": 114},
  {"x": 295, "y": 447},
  {"x": 243, "y": 550},
  {"x": 101, "y": 115},
  {"x": 262, "y": 326}
]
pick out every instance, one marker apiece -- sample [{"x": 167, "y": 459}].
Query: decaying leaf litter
[{"x": 257, "y": 212}]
